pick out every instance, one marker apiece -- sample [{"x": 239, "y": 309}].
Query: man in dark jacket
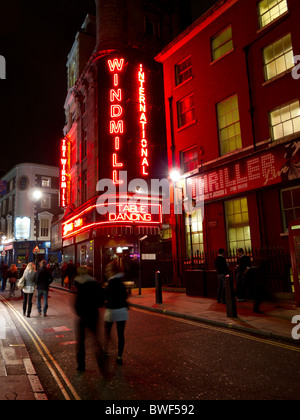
[
  {"x": 223, "y": 270},
  {"x": 43, "y": 280}
]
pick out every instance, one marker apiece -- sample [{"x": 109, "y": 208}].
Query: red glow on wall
[
  {"x": 116, "y": 124},
  {"x": 64, "y": 167}
]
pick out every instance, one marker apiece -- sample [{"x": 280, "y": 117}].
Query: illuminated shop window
[
  {"x": 229, "y": 125},
  {"x": 189, "y": 159},
  {"x": 285, "y": 121},
  {"x": 186, "y": 111},
  {"x": 290, "y": 203},
  {"x": 278, "y": 57},
  {"x": 269, "y": 10},
  {"x": 197, "y": 232},
  {"x": 237, "y": 220},
  {"x": 222, "y": 43},
  {"x": 183, "y": 71}
]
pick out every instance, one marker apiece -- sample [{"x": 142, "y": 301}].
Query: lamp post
[{"x": 36, "y": 197}]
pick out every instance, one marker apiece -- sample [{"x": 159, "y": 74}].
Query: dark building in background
[
  {"x": 233, "y": 130},
  {"x": 115, "y": 124}
]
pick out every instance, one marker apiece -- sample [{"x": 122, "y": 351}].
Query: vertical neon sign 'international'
[
  {"x": 116, "y": 125},
  {"x": 143, "y": 120}
]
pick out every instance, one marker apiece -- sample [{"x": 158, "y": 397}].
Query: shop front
[{"x": 94, "y": 238}]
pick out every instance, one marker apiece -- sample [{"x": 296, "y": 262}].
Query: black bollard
[
  {"x": 158, "y": 286},
  {"x": 230, "y": 298}
]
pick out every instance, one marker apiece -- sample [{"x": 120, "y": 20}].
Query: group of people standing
[
  {"x": 29, "y": 279},
  {"x": 242, "y": 272}
]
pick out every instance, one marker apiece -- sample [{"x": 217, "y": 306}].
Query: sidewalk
[
  {"x": 274, "y": 322},
  {"x": 18, "y": 379}
]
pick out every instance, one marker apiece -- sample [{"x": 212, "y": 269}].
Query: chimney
[{"x": 111, "y": 24}]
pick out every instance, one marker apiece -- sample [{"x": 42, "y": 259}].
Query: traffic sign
[{"x": 36, "y": 250}]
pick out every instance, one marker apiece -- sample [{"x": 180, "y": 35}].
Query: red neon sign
[
  {"x": 64, "y": 166},
  {"x": 143, "y": 120},
  {"x": 116, "y": 125},
  {"x": 124, "y": 213}
]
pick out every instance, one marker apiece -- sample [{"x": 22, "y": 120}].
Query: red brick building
[{"x": 233, "y": 126}]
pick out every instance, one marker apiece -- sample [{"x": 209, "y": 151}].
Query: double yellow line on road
[{"x": 48, "y": 359}]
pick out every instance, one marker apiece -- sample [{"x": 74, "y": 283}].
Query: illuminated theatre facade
[{"x": 122, "y": 209}]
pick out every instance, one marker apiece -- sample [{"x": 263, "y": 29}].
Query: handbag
[{"x": 21, "y": 283}]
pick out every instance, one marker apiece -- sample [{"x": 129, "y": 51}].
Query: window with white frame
[
  {"x": 183, "y": 71},
  {"x": 290, "y": 204},
  {"x": 222, "y": 43},
  {"x": 196, "y": 227},
  {"x": 46, "y": 201},
  {"x": 46, "y": 182},
  {"x": 278, "y": 57},
  {"x": 44, "y": 227},
  {"x": 186, "y": 111},
  {"x": 285, "y": 121},
  {"x": 189, "y": 159},
  {"x": 230, "y": 137},
  {"x": 237, "y": 221},
  {"x": 269, "y": 10}
]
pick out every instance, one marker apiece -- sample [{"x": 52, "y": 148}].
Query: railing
[{"x": 276, "y": 263}]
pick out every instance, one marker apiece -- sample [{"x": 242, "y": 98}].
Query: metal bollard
[
  {"x": 230, "y": 298},
  {"x": 158, "y": 287}
]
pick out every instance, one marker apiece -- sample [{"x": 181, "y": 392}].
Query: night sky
[{"x": 35, "y": 39}]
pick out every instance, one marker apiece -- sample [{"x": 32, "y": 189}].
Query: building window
[
  {"x": 269, "y": 10},
  {"x": 84, "y": 186},
  {"x": 278, "y": 57},
  {"x": 44, "y": 227},
  {"x": 183, "y": 71},
  {"x": 237, "y": 221},
  {"x": 196, "y": 227},
  {"x": 152, "y": 26},
  {"x": 290, "y": 203},
  {"x": 222, "y": 43},
  {"x": 46, "y": 202},
  {"x": 186, "y": 111},
  {"x": 189, "y": 160},
  {"x": 229, "y": 125},
  {"x": 84, "y": 145},
  {"x": 285, "y": 121},
  {"x": 46, "y": 182}
]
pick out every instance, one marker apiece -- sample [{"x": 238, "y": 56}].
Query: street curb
[
  {"x": 32, "y": 376},
  {"x": 228, "y": 325}
]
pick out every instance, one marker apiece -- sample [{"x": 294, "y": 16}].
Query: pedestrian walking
[
  {"x": 90, "y": 297},
  {"x": 223, "y": 271},
  {"x": 12, "y": 275},
  {"x": 71, "y": 272},
  {"x": 243, "y": 267},
  {"x": 116, "y": 308},
  {"x": 43, "y": 281},
  {"x": 4, "y": 269},
  {"x": 28, "y": 290}
]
